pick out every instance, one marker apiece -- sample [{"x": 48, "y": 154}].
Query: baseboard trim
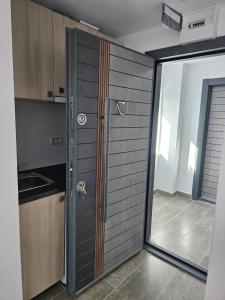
[
  {"x": 177, "y": 193},
  {"x": 208, "y": 200},
  {"x": 182, "y": 194},
  {"x": 164, "y": 193}
]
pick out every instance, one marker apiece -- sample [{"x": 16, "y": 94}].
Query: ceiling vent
[
  {"x": 171, "y": 18},
  {"x": 199, "y": 25}
]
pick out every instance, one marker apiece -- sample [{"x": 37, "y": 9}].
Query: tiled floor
[
  {"x": 144, "y": 277},
  {"x": 183, "y": 227}
]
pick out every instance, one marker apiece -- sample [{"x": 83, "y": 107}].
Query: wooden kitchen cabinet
[
  {"x": 21, "y": 48},
  {"x": 60, "y": 23},
  {"x": 41, "y": 51},
  {"x": 32, "y": 34},
  {"x": 42, "y": 243}
]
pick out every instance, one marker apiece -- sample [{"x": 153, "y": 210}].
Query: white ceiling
[{"x": 122, "y": 17}]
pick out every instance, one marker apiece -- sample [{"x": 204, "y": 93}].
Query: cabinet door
[
  {"x": 20, "y": 43},
  {"x": 42, "y": 243},
  {"x": 60, "y": 23},
  {"x": 41, "y": 51}
]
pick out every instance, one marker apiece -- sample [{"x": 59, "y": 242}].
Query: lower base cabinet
[{"x": 42, "y": 243}]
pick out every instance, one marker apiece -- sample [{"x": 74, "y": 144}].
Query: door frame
[
  {"x": 71, "y": 163},
  {"x": 175, "y": 53},
  {"x": 207, "y": 86}
]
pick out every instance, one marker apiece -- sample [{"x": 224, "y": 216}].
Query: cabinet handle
[
  {"x": 61, "y": 90},
  {"x": 50, "y": 94}
]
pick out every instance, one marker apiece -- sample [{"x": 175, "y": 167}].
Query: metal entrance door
[{"x": 109, "y": 117}]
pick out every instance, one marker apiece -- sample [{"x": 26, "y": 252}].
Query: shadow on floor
[{"x": 142, "y": 277}]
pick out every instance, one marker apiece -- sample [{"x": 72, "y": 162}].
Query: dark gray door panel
[
  {"x": 131, "y": 55},
  {"x": 125, "y": 158},
  {"x": 131, "y": 95},
  {"x": 130, "y": 80},
  {"x": 126, "y": 66},
  {"x": 127, "y": 145},
  {"x": 122, "y": 182},
  {"x": 81, "y": 209}
]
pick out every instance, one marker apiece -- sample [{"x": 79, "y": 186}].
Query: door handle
[{"x": 105, "y": 163}]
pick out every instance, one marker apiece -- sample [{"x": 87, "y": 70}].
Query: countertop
[{"x": 56, "y": 173}]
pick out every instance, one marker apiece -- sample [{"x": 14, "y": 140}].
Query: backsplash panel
[{"x": 36, "y": 124}]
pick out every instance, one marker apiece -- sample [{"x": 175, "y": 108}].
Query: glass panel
[{"x": 180, "y": 225}]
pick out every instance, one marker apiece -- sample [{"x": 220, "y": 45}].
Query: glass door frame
[{"x": 148, "y": 245}]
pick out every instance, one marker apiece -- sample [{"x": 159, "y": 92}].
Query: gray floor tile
[
  {"x": 209, "y": 216},
  {"x": 205, "y": 262},
  {"x": 186, "y": 231},
  {"x": 183, "y": 287},
  {"x": 192, "y": 214},
  {"x": 144, "y": 277},
  {"x": 166, "y": 213},
  {"x": 137, "y": 287},
  {"x": 166, "y": 242},
  {"x": 156, "y": 226},
  {"x": 180, "y": 202},
  {"x": 180, "y": 249},
  {"x": 97, "y": 292},
  {"x": 119, "y": 275},
  {"x": 199, "y": 243},
  {"x": 176, "y": 228},
  {"x": 203, "y": 230},
  {"x": 51, "y": 293},
  {"x": 160, "y": 201},
  {"x": 157, "y": 269},
  {"x": 64, "y": 296}
]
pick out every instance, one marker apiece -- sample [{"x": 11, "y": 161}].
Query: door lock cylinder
[{"x": 81, "y": 187}]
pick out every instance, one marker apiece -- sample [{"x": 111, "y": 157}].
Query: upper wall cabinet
[
  {"x": 21, "y": 52},
  {"x": 60, "y": 23},
  {"x": 32, "y": 32},
  {"x": 41, "y": 51}
]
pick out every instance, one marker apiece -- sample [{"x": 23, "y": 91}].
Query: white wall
[
  {"x": 167, "y": 152},
  {"x": 193, "y": 76},
  {"x": 161, "y": 37},
  {"x": 10, "y": 269},
  {"x": 180, "y": 100}
]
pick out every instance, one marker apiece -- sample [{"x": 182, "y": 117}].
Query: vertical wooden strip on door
[
  {"x": 103, "y": 92},
  {"x": 214, "y": 144},
  {"x": 130, "y": 80}
]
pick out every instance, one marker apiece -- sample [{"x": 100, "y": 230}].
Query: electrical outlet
[{"x": 56, "y": 140}]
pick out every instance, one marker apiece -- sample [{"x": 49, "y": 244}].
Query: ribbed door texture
[
  {"x": 106, "y": 224},
  {"x": 214, "y": 143},
  {"x": 131, "y": 81},
  {"x": 87, "y": 86}
]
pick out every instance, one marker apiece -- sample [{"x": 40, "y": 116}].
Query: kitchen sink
[{"x": 30, "y": 181}]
